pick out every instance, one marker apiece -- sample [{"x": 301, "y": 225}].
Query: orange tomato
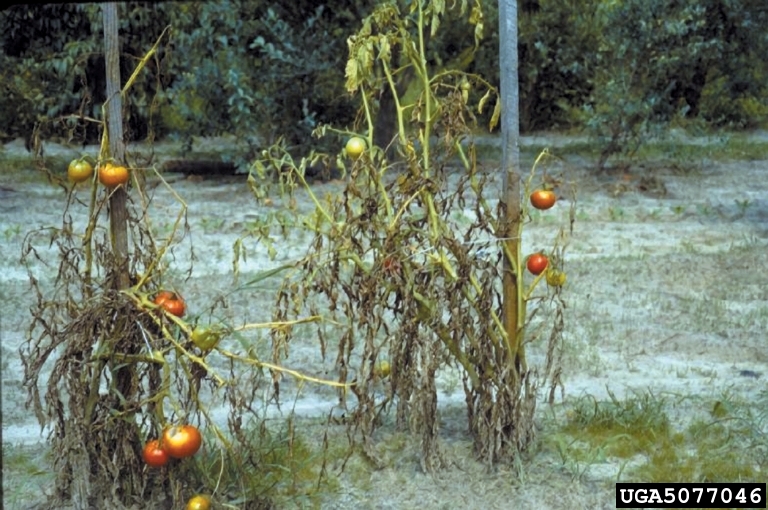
[
  {"x": 171, "y": 302},
  {"x": 182, "y": 441},
  {"x": 543, "y": 199},
  {"x": 112, "y": 176}
]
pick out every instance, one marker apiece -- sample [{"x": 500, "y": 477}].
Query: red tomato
[
  {"x": 182, "y": 441},
  {"x": 543, "y": 199},
  {"x": 154, "y": 455},
  {"x": 537, "y": 263},
  {"x": 172, "y": 302}
]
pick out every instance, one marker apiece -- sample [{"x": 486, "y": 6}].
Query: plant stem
[{"x": 427, "y": 93}]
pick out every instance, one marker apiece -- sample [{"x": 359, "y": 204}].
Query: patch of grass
[
  {"x": 685, "y": 158},
  {"x": 628, "y": 427},
  {"x": 727, "y": 445},
  {"x": 25, "y": 475},
  {"x": 23, "y": 169},
  {"x": 267, "y": 464},
  {"x": 12, "y": 232}
]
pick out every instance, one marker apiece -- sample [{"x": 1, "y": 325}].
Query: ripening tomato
[
  {"x": 543, "y": 199},
  {"x": 355, "y": 147},
  {"x": 182, "y": 441},
  {"x": 199, "y": 502},
  {"x": 154, "y": 455},
  {"x": 112, "y": 176},
  {"x": 537, "y": 263},
  {"x": 171, "y": 302},
  {"x": 79, "y": 170}
]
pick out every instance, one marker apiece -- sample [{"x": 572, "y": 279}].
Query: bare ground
[{"x": 667, "y": 292}]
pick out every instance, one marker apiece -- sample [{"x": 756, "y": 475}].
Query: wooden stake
[
  {"x": 118, "y": 214},
  {"x": 513, "y": 306}
]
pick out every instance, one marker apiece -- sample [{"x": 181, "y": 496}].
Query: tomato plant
[
  {"x": 171, "y": 302},
  {"x": 112, "y": 176},
  {"x": 182, "y": 441},
  {"x": 154, "y": 455},
  {"x": 205, "y": 338},
  {"x": 199, "y": 502},
  {"x": 355, "y": 147},
  {"x": 543, "y": 199},
  {"x": 537, "y": 263},
  {"x": 79, "y": 170}
]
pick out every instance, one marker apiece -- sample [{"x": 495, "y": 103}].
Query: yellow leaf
[
  {"x": 476, "y": 16},
  {"x": 385, "y": 50},
  {"x": 496, "y": 115},
  {"x": 351, "y": 71},
  {"x": 483, "y": 101}
]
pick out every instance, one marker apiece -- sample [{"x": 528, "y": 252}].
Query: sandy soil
[{"x": 667, "y": 290}]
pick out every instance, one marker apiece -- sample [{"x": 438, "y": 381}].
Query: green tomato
[
  {"x": 205, "y": 338},
  {"x": 355, "y": 147}
]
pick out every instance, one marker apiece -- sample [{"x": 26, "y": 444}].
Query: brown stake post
[
  {"x": 118, "y": 214},
  {"x": 130, "y": 482},
  {"x": 510, "y": 167}
]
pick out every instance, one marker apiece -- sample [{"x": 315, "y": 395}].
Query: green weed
[{"x": 726, "y": 445}]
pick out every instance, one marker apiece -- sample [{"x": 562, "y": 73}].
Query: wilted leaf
[
  {"x": 483, "y": 101},
  {"x": 385, "y": 50},
  {"x": 496, "y": 115},
  {"x": 352, "y": 74}
]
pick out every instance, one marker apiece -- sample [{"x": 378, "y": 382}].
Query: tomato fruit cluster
[
  {"x": 178, "y": 442},
  {"x": 171, "y": 302}
]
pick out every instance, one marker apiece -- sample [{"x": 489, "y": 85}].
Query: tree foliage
[{"x": 261, "y": 70}]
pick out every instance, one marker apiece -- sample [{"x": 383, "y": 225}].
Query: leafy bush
[
  {"x": 657, "y": 59},
  {"x": 260, "y": 70}
]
